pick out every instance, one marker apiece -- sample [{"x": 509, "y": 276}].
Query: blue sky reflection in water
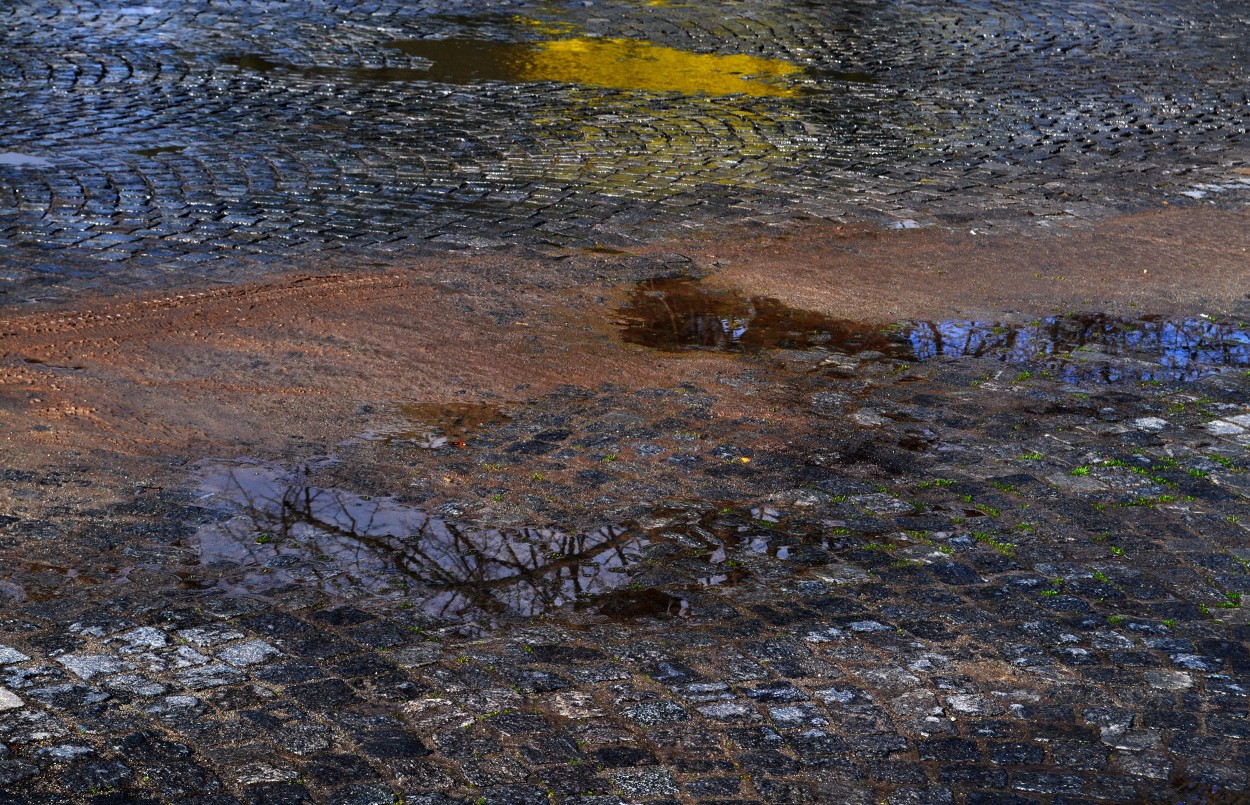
[
  {"x": 674, "y": 315},
  {"x": 1079, "y": 348}
]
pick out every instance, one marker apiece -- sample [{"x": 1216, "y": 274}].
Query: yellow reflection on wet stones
[
  {"x": 632, "y": 64},
  {"x": 612, "y": 63}
]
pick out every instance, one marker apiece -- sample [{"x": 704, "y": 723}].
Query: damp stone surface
[{"x": 145, "y": 145}]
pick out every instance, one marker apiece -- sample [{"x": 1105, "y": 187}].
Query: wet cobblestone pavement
[
  {"x": 993, "y": 560},
  {"x": 148, "y": 144},
  {"x": 971, "y": 579}
]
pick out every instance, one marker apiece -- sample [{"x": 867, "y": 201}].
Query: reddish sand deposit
[
  {"x": 253, "y": 366},
  {"x": 1180, "y": 262}
]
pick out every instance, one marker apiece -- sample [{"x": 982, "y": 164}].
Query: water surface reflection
[
  {"x": 349, "y": 545},
  {"x": 1093, "y": 348},
  {"x": 681, "y": 314}
]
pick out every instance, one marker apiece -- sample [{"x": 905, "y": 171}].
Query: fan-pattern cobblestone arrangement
[{"x": 142, "y": 143}]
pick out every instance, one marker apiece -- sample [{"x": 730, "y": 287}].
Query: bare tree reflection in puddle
[{"x": 349, "y": 545}]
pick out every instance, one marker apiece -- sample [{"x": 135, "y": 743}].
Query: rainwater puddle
[
  {"x": 628, "y": 64},
  {"x": 350, "y": 545},
  {"x": 681, "y": 314},
  {"x": 15, "y": 160},
  {"x": 674, "y": 315},
  {"x": 1093, "y": 348},
  {"x": 432, "y": 425}
]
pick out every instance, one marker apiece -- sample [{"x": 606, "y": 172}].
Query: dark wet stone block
[
  {"x": 533, "y": 681},
  {"x": 895, "y": 772},
  {"x": 549, "y": 749},
  {"x": 954, "y": 573},
  {"x": 622, "y": 756},
  {"x": 362, "y": 795},
  {"x": 878, "y": 745},
  {"x": 518, "y": 723},
  {"x": 991, "y": 563},
  {"x": 949, "y": 750},
  {"x": 870, "y": 526},
  {"x": 671, "y": 673},
  {"x": 1015, "y": 754},
  {"x": 991, "y": 728},
  {"x": 514, "y": 795},
  {"x": 380, "y": 634},
  {"x": 266, "y": 719},
  {"x": 713, "y": 786},
  {"x": 813, "y": 744},
  {"x": 1232, "y": 726},
  {"x": 68, "y": 697},
  {"x": 687, "y": 764},
  {"x": 921, "y": 796},
  {"x": 995, "y": 798},
  {"x": 1133, "y": 659},
  {"x": 1047, "y": 783},
  {"x": 278, "y": 624},
  {"x": 922, "y": 522},
  {"x": 532, "y": 448},
  {"x": 122, "y": 798},
  {"x": 361, "y": 665},
  {"x": 1170, "y": 720},
  {"x": 338, "y": 769},
  {"x": 652, "y": 713},
  {"x": 342, "y": 616},
  {"x": 13, "y": 772},
  {"x": 787, "y": 792},
  {"x": 148, "y": 746},
  {"x": 933, "y": 630},
  {"x": 770, "y": 762},
  {"x": 562, "y": 654},
  {"x": 777, "y": 692},
  {"x": 86, "y": 777},
  {"x": 317, "y": 646},
  {"x": 1077, "y": 755},
  {"x": 972, "y": 777},
  {"x": 278, "y": 794},
  {"x": 567, "y": 779},
  {"x": 756, "y": 738},
  {"x": 289, "y": 673},
  {"x": 810, "y": 555},
  {"x": 780, "y": 616},
  {"x": 326, "y": 695},
  {"x": 178, "y": 780},
  {"x": 397, "y": 744},
  {"x": 467, "y": 743}
]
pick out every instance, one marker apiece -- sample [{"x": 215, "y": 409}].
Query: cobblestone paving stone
[
  {"x": 146, "y": 144},
  {"x": 969, "y": 582}
]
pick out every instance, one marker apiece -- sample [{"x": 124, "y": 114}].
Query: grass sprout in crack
[{"x": 287, "y": 531}]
